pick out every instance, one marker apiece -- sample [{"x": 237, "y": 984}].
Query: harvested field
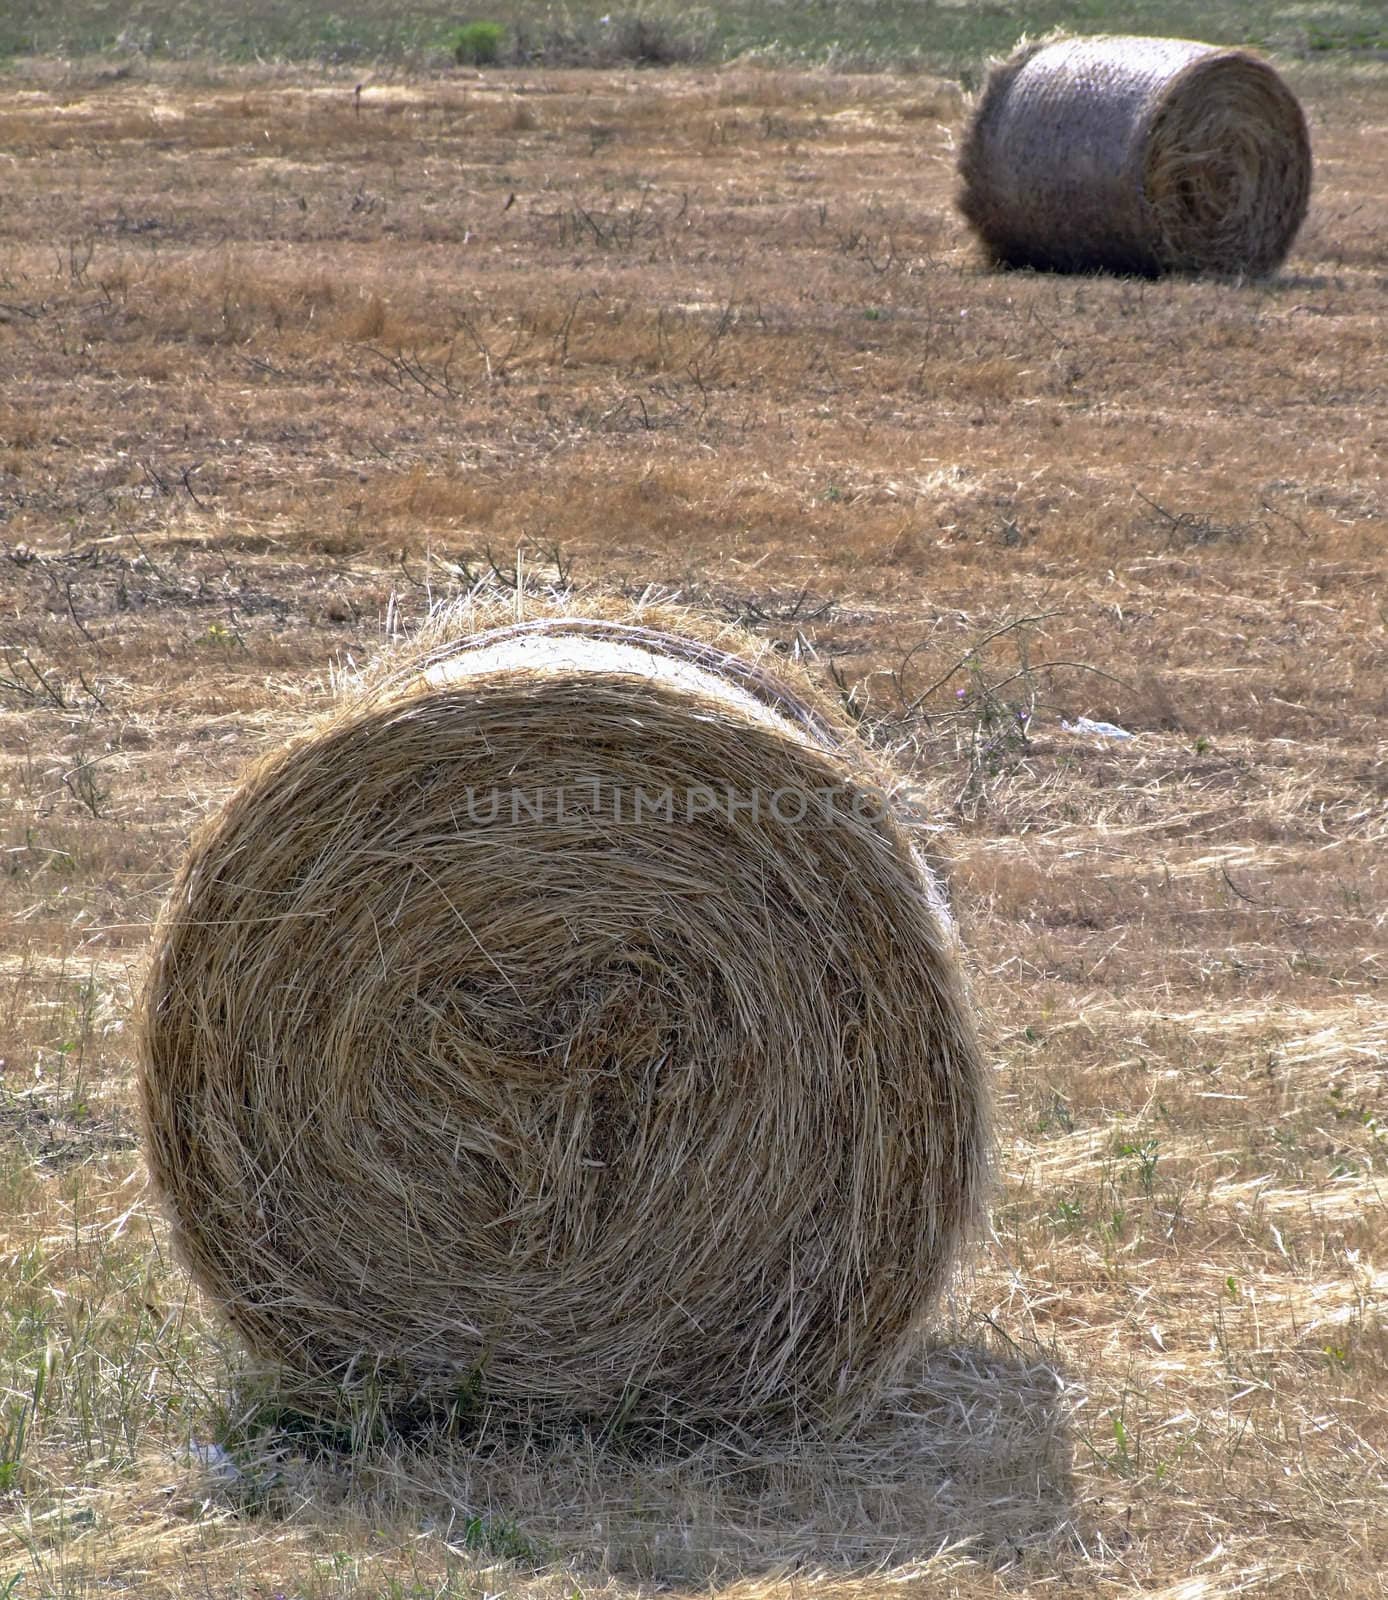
[{"x": 286, "y": 364}]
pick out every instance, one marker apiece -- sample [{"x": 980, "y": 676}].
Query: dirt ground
[{"x": 287, "y": 358}]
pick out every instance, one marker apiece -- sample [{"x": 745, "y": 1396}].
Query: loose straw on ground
[
  {"x": 569, "y": 1023},
  {"x": 1136, "y": 155}
]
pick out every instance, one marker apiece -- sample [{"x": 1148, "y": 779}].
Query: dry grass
[{"x": 728, "y": 340}]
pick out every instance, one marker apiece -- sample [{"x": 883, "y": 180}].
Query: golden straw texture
[
  {"x": 514, "y": 1034},
  {"x": 1136, "y": 155}
]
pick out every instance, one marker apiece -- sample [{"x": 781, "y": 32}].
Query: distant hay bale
[
  {"x": 1136, "y": 155},
  {"x": 470, "y": 1065}
]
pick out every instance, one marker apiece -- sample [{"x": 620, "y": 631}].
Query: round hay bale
[
  {"x": 1136, "y": 155},
  {"x": 571, "y": 1021}
]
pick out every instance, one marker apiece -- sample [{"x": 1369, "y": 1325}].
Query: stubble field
[{"x": 285, "y": 362}]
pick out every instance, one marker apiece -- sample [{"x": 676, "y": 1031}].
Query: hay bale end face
[
  {"x": 471, "y": 1062},
  {"x": 1136, "y": 155}
]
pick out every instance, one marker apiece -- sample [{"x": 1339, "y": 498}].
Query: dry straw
[
  {"x": 511, "y": 1035},
  {"x": 1136, "y": 155}
]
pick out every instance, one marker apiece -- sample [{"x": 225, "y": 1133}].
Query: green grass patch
[
  {"x": 951, "y": 36},
  {"x": 478, "y": 44}
]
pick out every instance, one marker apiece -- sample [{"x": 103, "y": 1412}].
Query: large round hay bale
[
  {"x": 573, "y": 1021},
  {"x": 1136, "y": 155}
]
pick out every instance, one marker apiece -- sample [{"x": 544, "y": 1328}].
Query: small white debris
[
  {"x": 1099, "y": 730},
  {"x": 218, "y": 1463}
]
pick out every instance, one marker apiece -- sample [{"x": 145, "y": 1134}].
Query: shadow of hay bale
[{"x": 971, "y": 1461}]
